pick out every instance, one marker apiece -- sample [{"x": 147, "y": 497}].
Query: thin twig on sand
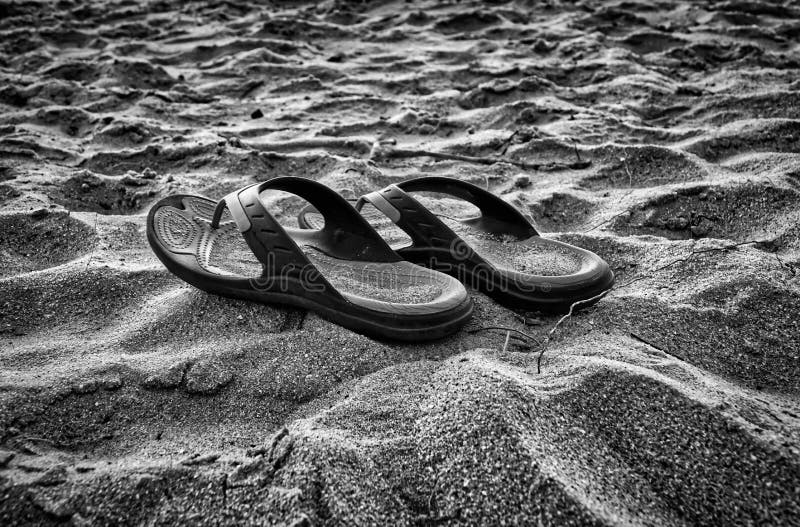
[
  {"x": 577, "y": 152},
  {"x": 560, "y": 320},
  {"x": 527, "y": 336},
  {"x": 628, "y": 170},
  {"x": 615, "y": 216},
  {"x": 507, "y": 142},
  {"x": 634, "y": 336},
  {"x": 645, "y": 341}
]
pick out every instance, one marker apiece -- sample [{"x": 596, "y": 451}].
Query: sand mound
[
  {"x": 758, "y": 212},
  {"x": 561, "y": 212},
  {"x": 776, "y": 135},
  {"x": 663, "y": 137},
  {"x": 42, "y": 239},
  {"x": 643, "y": 166}
]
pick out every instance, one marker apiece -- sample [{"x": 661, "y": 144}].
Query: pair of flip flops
[{"x": 340, "y": 263}]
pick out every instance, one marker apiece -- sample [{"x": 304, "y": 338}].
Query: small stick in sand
[
  {"x": 504, "y": 328},
  {"x": 628, "y": 170},
  {"x": 608, "y": 220},
  {"x": 507, "y": 142},
  {"x": 577, "y": 152},
  {"x": 560, "y": 320},
  {"x": 644, "y": 341}
]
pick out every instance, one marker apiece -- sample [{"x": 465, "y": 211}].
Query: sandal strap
[
  {"x": 427, "y": 230},
  {"x": 422, "y": 226},
  {"x": 280, "y": 257},
  {"x": 497, "y": 215},
  {"x": 346, "y": 234}
]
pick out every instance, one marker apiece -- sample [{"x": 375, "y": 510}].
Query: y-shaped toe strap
[
  {"x": 346, "y": 234},
  {"x": 497, "y": 216},
  {"x": 426, "y": 230}
]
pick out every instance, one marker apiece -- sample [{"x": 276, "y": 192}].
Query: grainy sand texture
[{"x": 664, "y": 136}]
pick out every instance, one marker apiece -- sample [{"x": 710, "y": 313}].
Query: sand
[{"x": 663, "y": 136}]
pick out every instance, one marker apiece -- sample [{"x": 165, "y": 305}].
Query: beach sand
[{"x": 663, "y": 136}]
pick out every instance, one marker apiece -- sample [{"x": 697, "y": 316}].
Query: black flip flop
[
  {"x": 344, "y": 271},
  {"x": 498, "y": 252}
]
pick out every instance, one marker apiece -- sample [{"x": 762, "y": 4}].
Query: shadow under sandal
[
  {"x": 498, "y": 252},
  {"x": 344, "y": 271}
]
